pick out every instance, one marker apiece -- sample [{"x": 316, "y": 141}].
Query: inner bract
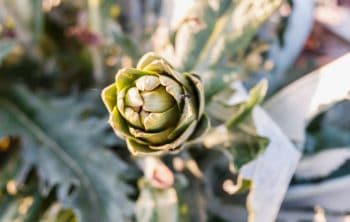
[{"x": 149, "y": 106}]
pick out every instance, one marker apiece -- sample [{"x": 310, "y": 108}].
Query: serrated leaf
[
  {"x": 18, "y": 201},
  {"x": 69, "y": 153}
]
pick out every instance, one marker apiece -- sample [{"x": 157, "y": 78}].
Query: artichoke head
[{"x": 155, "y": 108}]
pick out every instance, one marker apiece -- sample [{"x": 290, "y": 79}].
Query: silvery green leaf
[
  {"x": 277, "y": 163},
  {"x": 240, "y": 146},
  {"x": 322, "y": 164},
  {"x": 256, "y": 96},
  {"x": 122, "y": 40},
  {"x": 318, "y": 213},
  {"x": 236, "y": 41},
  {"x": 193, "y": 23},
  {"x": 303, "y": 100},
  {"x": 331, "y": 194},
  {"x": 309, "y": 96},
  {"x": 38, "y": 19},
  {"x": 10, "y": 208},
  {"x": 216, "y": 79},
  {"x": 279, "y": 158},
  {"x": 298, "y": 28},
  {"x": 329, "y": 130},
  {"x": 157, "y": 205},
  {"x": 85, "y": 174},
  {"x": 239, "y": 138}
]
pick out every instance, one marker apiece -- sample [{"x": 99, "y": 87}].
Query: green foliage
[
  {"x": 216, "y": 39},
  {"x": 170, "y": 107},
  {"x": 71, "y": 155},
  {"x": 329, "y": 129},
  {"x": 157, "y": 205},
  {"x": 238, "y": 137},
  {"x": 61, "y": 160},
  {"x": 5, "y": 48}
]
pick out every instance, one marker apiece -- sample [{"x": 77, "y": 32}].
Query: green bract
[{"x": 154, "y": 107}]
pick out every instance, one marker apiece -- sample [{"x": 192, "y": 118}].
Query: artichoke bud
[{"x": 155, "y": 108}]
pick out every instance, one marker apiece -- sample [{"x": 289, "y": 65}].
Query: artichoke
[{"x": 155, "y": 108}]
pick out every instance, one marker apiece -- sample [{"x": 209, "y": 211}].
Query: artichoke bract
[{"x": 155, "y": 108}]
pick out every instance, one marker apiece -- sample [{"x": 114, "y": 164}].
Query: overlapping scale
[{"x": 154, "y": 107}]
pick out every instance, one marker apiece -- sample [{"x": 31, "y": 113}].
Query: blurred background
[{"x": 57, "y": 55}]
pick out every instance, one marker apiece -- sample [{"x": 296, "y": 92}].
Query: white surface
[
  {"x": 271, "y": 172},
  {"x": 295, "y": 105}
]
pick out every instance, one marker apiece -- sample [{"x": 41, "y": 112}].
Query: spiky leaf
[{"x": 68, "y": 152}]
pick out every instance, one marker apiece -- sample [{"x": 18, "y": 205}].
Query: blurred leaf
[
  {"x": 38, "y": 18},
  {"x": 22, "y": 208},
  {"x": 309, "y": 96},
  {"x": 239, "y": 145},
  {"x": 256, "y": 96},
  {"x": 256, "y": 13},
  {"x": 246, "y": 148},
  {"x": 9, "y": 166},
  {"x": 330, "y": 129},
  {"x": 192, "y": 198},
  {"x": 212, "y": 32},
  {"x": 5, "y": 48},
  {"x": 304, "y": 100},
  {"x": 271, "y": 172},
  {"x": 293, "y": 32},
  {"x": 322, "y": 177},
  {"x": 195, "y": 35},
  {"x": 124, "y": 42},
  {"x": 215, "y": 80},
  {"x": 239, "y": 138},
  {"x": 157, "y": 205},
  {"x": 322, "y": 164},
  {"x": 330, "y": 193},
  {"x": 69, "y": 153},
  {"x": 56, "y": 214},
  {"x": 18, "y": 201}
]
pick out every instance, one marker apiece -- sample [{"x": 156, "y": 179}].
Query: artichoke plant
[{"x": 154, "y": 107}]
